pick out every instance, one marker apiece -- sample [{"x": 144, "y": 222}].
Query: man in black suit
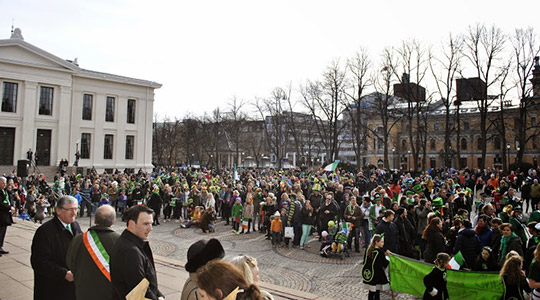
[
  {"x": 6, "y": 210},
  {"x": 52, "y": 278}
]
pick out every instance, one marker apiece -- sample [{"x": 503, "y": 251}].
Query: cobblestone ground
[{"x": 303, "y": 270}]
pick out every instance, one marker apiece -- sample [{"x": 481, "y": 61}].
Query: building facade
[{"x": 57, "y": 109}]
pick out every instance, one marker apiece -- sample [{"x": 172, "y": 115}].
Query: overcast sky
[{"x": 206, "y": 52}]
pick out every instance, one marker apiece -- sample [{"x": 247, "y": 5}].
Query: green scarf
[{"x": 504, "y": 243}]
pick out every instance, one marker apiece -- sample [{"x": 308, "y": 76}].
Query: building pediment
[{"x": 19, "y": 52}]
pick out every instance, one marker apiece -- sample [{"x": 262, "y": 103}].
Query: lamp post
[
  {"x": 508, "y": 157},
  {"x": 394, "y": 157},
  {"x": 409, "y": 160}
]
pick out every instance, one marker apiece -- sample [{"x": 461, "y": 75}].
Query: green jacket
[
  {"x": 90, "y": 283},
  {"x": 373, "y": 217},
  {"x": 237, "y": 210}
]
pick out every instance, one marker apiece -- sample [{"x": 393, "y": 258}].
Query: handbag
[{"x": 289, "y": 232}]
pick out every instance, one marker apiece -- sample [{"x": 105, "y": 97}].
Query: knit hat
[
  {"x": 202, "y": 252},
  {"x": 277, "y": 214}
]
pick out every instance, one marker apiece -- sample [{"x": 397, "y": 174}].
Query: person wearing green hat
[{"x": 375, "y": 212}]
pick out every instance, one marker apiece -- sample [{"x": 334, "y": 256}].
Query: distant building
[{"x": 55, "y": 107}]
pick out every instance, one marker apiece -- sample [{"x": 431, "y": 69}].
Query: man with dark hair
[
  {"x": 390, "y": 231},
  {"x": 52, "y": 278},
  {"x": 88, "y": 257},
  {"x": 131, "y": 259}
]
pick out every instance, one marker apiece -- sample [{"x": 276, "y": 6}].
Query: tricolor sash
[{"x": 97, "y": 252}]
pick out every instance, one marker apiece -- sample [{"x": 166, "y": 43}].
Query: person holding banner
[
  {"x": 435, "y": 281},
  {"x": 88, "y": 257},
  {"x": 373, "y": 269}
]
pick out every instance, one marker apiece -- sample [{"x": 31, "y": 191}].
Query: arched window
[
  {"x": 432, "y": 144},
  {"x": 479, "y": 143},
  {"x": 463, "y": 144}
]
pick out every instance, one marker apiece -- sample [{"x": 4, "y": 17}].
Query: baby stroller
[{"x": 339, "y": 245}]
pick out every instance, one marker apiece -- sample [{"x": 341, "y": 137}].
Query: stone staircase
[{"x": 48, "y": 171}]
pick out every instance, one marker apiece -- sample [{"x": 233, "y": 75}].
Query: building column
[
  {"x": 64, "y": 142},
  {"x": 28, "y": 105}
]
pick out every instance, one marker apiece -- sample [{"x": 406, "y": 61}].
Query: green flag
[{"x": 406, "y": 276}]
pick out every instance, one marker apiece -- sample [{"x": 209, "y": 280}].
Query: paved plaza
[{"x": 286, "y": 273}]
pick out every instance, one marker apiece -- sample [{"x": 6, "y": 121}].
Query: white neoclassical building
[{"x": 54, "y": 107}]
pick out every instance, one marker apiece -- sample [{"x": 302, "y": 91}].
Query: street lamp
[
  {"x": 508, "y": 156},
  {"x": 409, "y": 160},
  {"x": 394, "y": 157}
]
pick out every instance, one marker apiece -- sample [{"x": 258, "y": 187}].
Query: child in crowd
[
  {"x": 435, "y": 281},
  {"x": 284, "y": 218},
  {"x": 326, "y": 243},
  {"x": 339, "y": 241},
  {"x": 373, "y": 269},
  {"x": 208, "y": 219},
  {"x": 236, "y": 214},
  {"x": 104, "y": 199},
  {"x": 196, "y": 217},
  {"x": 247, "y": 214},
  {"x": 276, "y": 228},
  {"x": 486, "y": 261},
  {"x": 122, "y": 201},
  {"x": 24, "y": 215}
]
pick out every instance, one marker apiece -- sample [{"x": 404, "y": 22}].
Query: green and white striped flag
[
  {"x": 331, "y": 167},
  {"x": 457, "y": 261}
]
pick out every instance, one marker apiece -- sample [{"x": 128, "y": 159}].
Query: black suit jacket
[{"x": 49, "y": 249}]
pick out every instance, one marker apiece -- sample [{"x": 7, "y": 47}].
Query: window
[
  {"x": 131, "y": 111},
  {"x": 9, "y": 97},
  {"x": 535, "y": 142},
  {"x": 497, "y": 143},
  {"x": 87, "y": 107},
  {"x": 432, "y": 144},
  {"x": 109, "y": 112},
  {"x": 85, "y": 145},
  {"x": 467, "y": 126},
  {"x": 403, "y": 145},
  {"x": 479, "y": 143},
  {"x": 433, "y": 162},
  {"x": 464, "y": 144},
  {"x": 46, "y": 101},
  {"x": 130, "y": 143},
  {"x": 108, "y": 147},
  {"x": 436, "y": 127},
  {"x": 533, "y": 121}
]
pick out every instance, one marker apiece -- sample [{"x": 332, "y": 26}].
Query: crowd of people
[{"x": 476, "y": 213}]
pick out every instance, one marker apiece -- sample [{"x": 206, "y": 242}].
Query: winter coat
[
  {"x": 307, "y": 216},
  {"x": 131, "y": 260},
  {"x": 469, "y": 244},
  {"x": 390, "y": 230},
  {"x": 5, "y": 209},
  {"x": 435, "y": 244},
  {"x": 89, "y": 280},
  {"x": 49, "y": 249},
  {"x": 248, "y": 211}
]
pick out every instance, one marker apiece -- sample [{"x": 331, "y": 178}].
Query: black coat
[
  {"x": 436, "y": 279},
  {"x": 469, "y": 244},
  {"x": 49, "y": 249},
  {"x": 390, "y": 230},
  {"x": 435, "y": 244},
  {"x": 5, "y": 211},
  {"x": 373, "y": 268},
  {"x": 131, "y": 260}
]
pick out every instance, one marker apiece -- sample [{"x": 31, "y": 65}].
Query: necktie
[{"x": 68, "y": 227}]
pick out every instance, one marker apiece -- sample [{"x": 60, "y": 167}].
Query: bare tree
[
  {"x": 413, "y": 62},
  {"x": 272, "y": 112},
  {"x": 448, "y": 64},
  {"x": 484, "y": 49},
  {"x": 236, "y": 121},
  {"x": 358, "y": 66},
  {"x": 324, "y": 100},
  {"x": 526, "y": 51}
]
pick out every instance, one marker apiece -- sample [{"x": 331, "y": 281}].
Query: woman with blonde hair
[
  {"x": 218, "y": 280},
  {"x": 249, "y": 267}
]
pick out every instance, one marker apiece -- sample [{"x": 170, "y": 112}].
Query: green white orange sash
[{"x": 97, "y": 252}]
